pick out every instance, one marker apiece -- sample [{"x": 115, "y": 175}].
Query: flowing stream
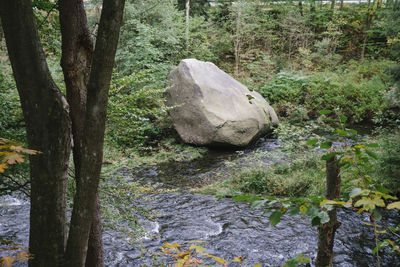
[{"x": 228, "y": 228}]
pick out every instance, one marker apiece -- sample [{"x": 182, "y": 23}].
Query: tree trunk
[
  {"x": 332, "y": 4},
  {"x": 93, "y": 134},
  {"x": 313, "y": 17},
  {"x": 301, "y": 8},
  {"x": 48, "y": 130},
  {"x": 95, "y": 257},
  {"x": 341, "y": 5},
  {"x": 77, "y": 52},
  {"x": 326, "y": 232},
  {"x": 187, "y": 10},
  {"x": 237, "y": 42},
  {"x": 367, "y": 26}
]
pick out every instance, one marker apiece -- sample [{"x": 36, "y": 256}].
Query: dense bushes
[
  {"x": 358, "y": 91},
  {"x": 388, "y": 165},
  {"x": 136, "y": 112},
  {"x": 11, "y": 118}
]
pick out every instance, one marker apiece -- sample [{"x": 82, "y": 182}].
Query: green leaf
[
  {"x": 371, "y": 154},
  {"x": 352, "y": 131},
  {"x": 275, "y": 217},
  {"x": 323, "y": 215},
  {"x": 316, "y": 221},
  {"x": 343, "y": 118},
  {"x": 372, "y": 145},
  {"x": 326, "y": 145},
  {"x": 329, "y": 156},
  {"x": 377, "y": 215},
  {"x": 325, "y": 112},
  {"x": 294, "y": 211},
  {"x": 341, "y": 132},
  {"x": 247, "y": 198},
  {"x": 312, "y": 212},
  {"x": 369, "y": 203},
  {"x": 299, "y": 259},
  {"x": 258, "y": 204},
  {"x": 312, "y": 142},
  {"x": 355, "y": 192}
]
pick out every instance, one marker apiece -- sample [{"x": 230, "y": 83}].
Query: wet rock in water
[{"x": 211, "y": 108}]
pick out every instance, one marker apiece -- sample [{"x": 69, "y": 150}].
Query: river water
[{"x": 228, "y": 228}]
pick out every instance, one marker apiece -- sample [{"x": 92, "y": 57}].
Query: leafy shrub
[
  {"x": 11, "y": 118},
  {"x": 359, "y": 91},
  {"x": 136, "y": 112},
  {"x": 301, "y": 177},
  {"x": 388, "y": 165}
]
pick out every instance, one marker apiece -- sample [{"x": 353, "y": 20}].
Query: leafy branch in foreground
[
  {"x": 12, "y": 152},
  {"x": 361, "y": 192}
]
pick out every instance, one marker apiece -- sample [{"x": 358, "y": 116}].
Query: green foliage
[
  {"x": 299, "y": 259},
  {"x": 151, "y": 38},
  {"x": 300, "y": 177},
  {"x": 136, "y": 113},
  {"x": 11, "y": 117},
  {"x": 388, "y": 163},
  {"x": 359, "y": 92}
]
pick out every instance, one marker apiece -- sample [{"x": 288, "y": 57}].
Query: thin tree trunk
[
  {"x": 77, "y": 52},
  {"x": 237, "y": 41},
  {"x": 313, "y": 17},
  {"x": 301, "y": 8},
  {"x": 341, "y": 5},
  {"x": 187, "y": 10},
  {"x": 47, "y": 119},
  {"x": 332, "y": 4},
  {"x": 368, "y": 21},
  {"x": 93, "y": 135},
  {"x": 326, "y": 232}
]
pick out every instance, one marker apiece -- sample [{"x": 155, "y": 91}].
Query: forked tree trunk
[
  {"x": 326, "y": 232},
  {"x": 93, "y": 134},
  {"x": 77, "y": 52},
  {"x": 48, "y": 130}
]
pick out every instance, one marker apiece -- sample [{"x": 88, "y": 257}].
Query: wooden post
[{"x": 326, "y": 232}]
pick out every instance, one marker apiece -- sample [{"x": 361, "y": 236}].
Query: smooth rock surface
[{"x": 211, "y": 108}]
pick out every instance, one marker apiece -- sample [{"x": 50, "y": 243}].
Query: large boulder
[{"x": 211, "y": 108}]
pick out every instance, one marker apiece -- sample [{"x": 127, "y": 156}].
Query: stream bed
[{"x": 228, "y": 228}]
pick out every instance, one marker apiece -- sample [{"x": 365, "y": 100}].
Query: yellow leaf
[
  {"x": 173, "y": 245},
  {"x": 331, "y": 202},
  {"x": 14, "y": 158},
  {"x": 257, "y": 265},
  {"x": 237, "y": 259},
  {"x": 394, "y": 205},
  {"x": 7, "y": 261},
  {"x": 180, "y": 263},
  {"x": 3, "y": 166},
  {"x": 303, "y": 209},
  {"x": 23, "y": 256},
  {"x": 217, "y": 259},
  {"x": 199, "y": 249}
]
